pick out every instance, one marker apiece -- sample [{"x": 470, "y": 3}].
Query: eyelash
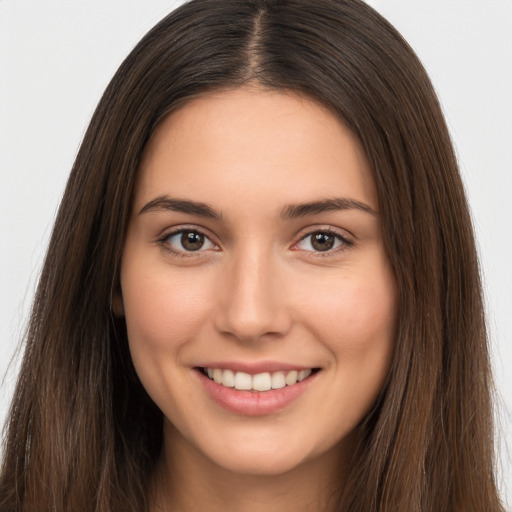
[{"x": 344, "y": 243}]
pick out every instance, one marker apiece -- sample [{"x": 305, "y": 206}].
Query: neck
[{"x": 188, "y": 481}]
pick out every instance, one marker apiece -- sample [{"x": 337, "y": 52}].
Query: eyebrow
[
  {"x": 291, "y": 211},
  {"x": 294, "y": 211},
  {"x": 163, "y": 203}
]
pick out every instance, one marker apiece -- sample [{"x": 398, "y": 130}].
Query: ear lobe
[{"x": 117, "y": 303}]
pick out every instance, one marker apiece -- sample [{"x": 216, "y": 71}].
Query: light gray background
[{"x": 56, "y": 58}]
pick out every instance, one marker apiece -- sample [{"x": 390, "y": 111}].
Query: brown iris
[
  {"x": 192, "y": 240},
  {"x": 322, "y": 241}
]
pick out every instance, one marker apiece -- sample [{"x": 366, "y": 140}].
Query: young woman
[{"x": 262, "y": 290}]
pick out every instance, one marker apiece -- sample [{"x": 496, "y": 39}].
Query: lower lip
[{"x": 254, "y": 403}]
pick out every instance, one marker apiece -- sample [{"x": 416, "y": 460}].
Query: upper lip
[{"x": 253, "y": 368}]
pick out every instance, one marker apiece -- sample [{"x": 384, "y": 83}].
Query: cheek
[
  {"x": 360, "y": 333},
  {"x": 356, "y": 313},
  {"x": 356, "y": 321},
  {"x": 162, "y": 312}
]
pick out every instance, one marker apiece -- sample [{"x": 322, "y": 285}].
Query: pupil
[
  {"x": 322, "y": 241},
  {"x": 192, "y": 241}
]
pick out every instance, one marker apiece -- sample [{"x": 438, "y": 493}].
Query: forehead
[{"x": 278, "y": 144}]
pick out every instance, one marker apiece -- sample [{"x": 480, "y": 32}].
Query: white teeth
[
  {"x": 262, "y": 382},
  {"x": 278, "y": 380},
  {"x": 217, "y": 376},
  {"x": 291, "y": 378},
  {"x": 303, "y": 374},
  {"x": 243, "y": 381},
  {"x": 259, "y": 382},
  {"x": 228, "y": 379}
]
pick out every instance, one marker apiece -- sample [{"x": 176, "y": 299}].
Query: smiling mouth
[{"x": 259, "y": 382}]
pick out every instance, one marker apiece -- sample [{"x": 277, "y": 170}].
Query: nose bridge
[{"x": 252, "y": 302}]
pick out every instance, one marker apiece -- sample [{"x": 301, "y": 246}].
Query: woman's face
[{"x": 254, "y": 254}]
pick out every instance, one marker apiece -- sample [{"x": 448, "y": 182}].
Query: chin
[
  {"x": 260, "y": 463},
  {"x": 266, "y": 454}
]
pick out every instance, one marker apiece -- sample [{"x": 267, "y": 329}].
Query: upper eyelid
[
  {"x": 342, "y": 233},
  {"x": 174, "y": 230}
]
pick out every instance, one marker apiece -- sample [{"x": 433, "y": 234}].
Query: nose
[{"x": 252, "y": 301}]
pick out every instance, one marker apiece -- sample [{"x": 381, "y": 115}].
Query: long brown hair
[{"x": 83, "y": 435}]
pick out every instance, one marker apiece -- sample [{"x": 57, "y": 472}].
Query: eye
[
  {"x": 322, "y": 241},
  {"x": 188, "y": 240}
]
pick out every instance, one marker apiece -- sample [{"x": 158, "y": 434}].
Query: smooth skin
[{"x": 249, "y": 283}]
